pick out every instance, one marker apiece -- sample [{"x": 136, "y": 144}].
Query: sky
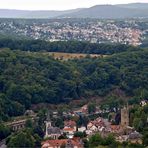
[{"x": 58, "y": 4}]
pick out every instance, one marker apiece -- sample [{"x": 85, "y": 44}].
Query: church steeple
[
  {"x": 125, "y": 116},
  {"x": 48, "y": 116},
  {"x": 48, "y": 123}
]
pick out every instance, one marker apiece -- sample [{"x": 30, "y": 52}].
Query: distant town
[{"x": 131, "y": 32}]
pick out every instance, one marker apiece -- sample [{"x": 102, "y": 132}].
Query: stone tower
[
  {"x": 48, "y": 124},
  {"x": 125, "y": 116}
]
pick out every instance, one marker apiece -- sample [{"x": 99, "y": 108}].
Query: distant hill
[
  {"x": 133, "y": 10},
  {"x": 112, "y": 11},
  {"x": 134, "y": 5},
  {"x": 8, "y": 13}
]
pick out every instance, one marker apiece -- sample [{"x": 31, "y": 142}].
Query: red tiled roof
[
  {"x": 55, "y": 143},
  {"x": 115, "y": 127},
  {"x": 68, "y": 129},
  {"x": 98, "y": 122}
]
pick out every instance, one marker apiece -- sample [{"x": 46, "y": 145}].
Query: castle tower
[{"x": 125, "y": 116}]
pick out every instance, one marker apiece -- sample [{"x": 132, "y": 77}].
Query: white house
[
  {"x": 82, "y": 129},
  {"x": 69, "y": 132}
]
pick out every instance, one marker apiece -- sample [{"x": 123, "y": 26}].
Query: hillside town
[
  {"x": 94, "y": 31},
  {"x": 70, "y": 129},
  {"x": 123, "y": 132}
]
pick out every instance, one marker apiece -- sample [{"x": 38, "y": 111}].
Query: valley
[{"x": 73, "y": 78}]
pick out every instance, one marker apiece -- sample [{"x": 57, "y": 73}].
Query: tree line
[{"x": 64, "y": 46}]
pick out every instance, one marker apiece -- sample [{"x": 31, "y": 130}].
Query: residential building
[{"x": 67, "y": 143}]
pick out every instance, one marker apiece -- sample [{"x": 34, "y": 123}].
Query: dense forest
[
  {"x": 64, "y": 46},
  {"x": 27, "y": 78}
]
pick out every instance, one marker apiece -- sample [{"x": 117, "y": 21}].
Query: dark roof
[
  {"x": 54, "y": 130},
  {"x": 135, "y": 135}
]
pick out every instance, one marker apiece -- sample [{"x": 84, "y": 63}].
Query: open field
[
  {"x": 61, "y": 55},
  {"x": 67, "y": 56}
]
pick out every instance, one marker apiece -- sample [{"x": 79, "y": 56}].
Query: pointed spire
[{"x": 48, "y": 116}]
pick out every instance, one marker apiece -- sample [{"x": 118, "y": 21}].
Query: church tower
[
  {"x": 48, "y": 124},
  {"x": 125, "y": 116}
]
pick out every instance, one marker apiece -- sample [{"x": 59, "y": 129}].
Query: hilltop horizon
[
  {"x": 105, "y": 11},
  {"x": 83, "y": 7}
]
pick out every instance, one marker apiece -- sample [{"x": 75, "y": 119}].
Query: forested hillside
[
  {"x": 27, "y": 78},
  {"x": 64, "y": 46}
]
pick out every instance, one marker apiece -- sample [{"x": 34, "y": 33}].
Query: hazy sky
[{"x": 57, "y": 4}]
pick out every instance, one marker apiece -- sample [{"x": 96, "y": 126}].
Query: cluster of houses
[
  {"x": 65, "y": 143},
  {"x": 86, "y": 30},
  {"x": 54, "y": 133},
  {"x": 122, "y": 132}
]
